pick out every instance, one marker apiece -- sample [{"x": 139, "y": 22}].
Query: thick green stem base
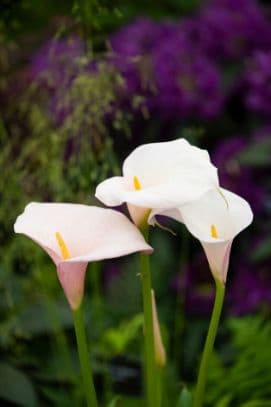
[
  {"x": 84, "y": 358},
  {"x": 148, "y": 332},
  {"x": 209, "y": 344}
]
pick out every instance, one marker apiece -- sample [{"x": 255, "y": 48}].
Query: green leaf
[
  {"x": 114, "y": 402},
  {"x": 244, "y": 373},
  {"x": 258, "y": 155},
  {"x": 185, "y": 399},
  {"x": 15, "y": 387},
  {"x": 55, "y": 397},
  {"x": 116, "y": 340},
  {"x": 225, "y": 401},
  {"x": 257, "y": 403}
]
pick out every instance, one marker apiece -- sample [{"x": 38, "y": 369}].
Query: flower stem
[
  {"x": 151, "y": 377},
  {"x": 84, "y": 357},
  {"x": 209, "y": 344},
  {"x": 179, "y": 318}
]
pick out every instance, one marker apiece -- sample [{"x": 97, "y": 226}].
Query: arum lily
[
  {"x": 160, "y": 175},
  {"x": 74, "y": 235},
  {"x": 215, "y": 219}
]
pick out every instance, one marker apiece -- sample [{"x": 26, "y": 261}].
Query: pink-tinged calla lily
[
  {"x": 160, "y": 175},
  {"x": 215, "y": 219},
  {"x": 74, "y": 234}
]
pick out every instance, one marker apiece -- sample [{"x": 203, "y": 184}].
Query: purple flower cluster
[
  {"x": 53, "y": 68},
  {"x": 139, "y": 38},
  {"x": 133, "y": 47},
  {"x": 183, "y": 78},
  {"x": 258, "y": 83},
  {"x": 177, "y": 67},
  {"x": 56, "y": 62},
  {"x": 249, "y": 290},
  {"x": 234, "y": 28},
  {"x": 160, "y": 62}
]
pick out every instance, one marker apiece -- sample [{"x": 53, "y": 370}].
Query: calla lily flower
[
  {"x": 215, "y": 219},
  {"x": 74, "y": 235},
  {"x": 160, "y": 175}
]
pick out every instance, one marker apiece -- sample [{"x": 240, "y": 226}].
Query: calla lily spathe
[
  {"x": 215, "y": 219},
  {"x": 74, "y": 235},
  {"x": 160, "y": 175}
]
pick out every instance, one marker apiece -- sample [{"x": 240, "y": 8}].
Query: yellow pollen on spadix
[
  {"x": 214, "y": 232},
  {"x": 137, "y": 184},
  {"x": 62, "y": 245}
]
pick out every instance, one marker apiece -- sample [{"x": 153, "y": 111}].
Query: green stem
[
  {"x": 179, "y": 319},
  {"x": 86, "y": 15},
  {"x": 84, "y": 357},
  {"x": 160, "y": 381},
  {"x": 209, "y": 344},
  {"x": 151, "y": 377}
]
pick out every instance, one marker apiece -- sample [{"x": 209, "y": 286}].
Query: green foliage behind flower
[{"x": 244, "y": 374}]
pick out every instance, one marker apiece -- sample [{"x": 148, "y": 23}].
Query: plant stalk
[
  {"x": 209, "y": 344},
  {"x": 150, "y": 365},
  {"x": 84, "y": 358}
]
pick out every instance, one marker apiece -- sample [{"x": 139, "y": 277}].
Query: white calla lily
[
  {"x": 215, "y": 219},
  {"x": 160, "y": 175},
  {"x": 74, "y": 235}
]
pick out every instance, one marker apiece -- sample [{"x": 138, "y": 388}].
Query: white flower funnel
[
  {"x": 160, "y": 175},
  {"x": 215, "y": 219},
  {"x": 74, "y": 235}
]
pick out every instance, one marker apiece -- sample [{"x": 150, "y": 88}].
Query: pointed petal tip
[{"x": 148, "y": 250}]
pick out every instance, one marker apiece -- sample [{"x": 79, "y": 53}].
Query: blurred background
[{"x": 82, "y": 83}]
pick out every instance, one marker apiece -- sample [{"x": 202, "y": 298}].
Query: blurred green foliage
[
  {"x": 28, "y": 15},
  {"x": 244, "y": 374}
]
